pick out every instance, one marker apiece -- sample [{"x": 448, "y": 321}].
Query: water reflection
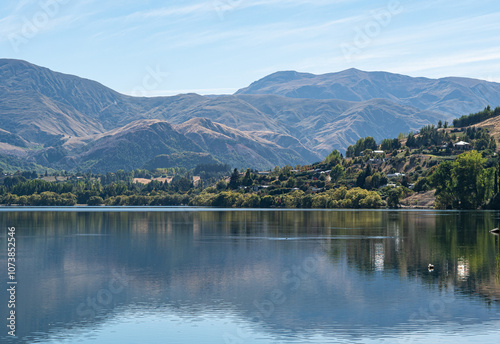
[{"x": 252, "y": 276}]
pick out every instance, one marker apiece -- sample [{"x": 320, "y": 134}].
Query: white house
[{"x": 461, "y": 145}]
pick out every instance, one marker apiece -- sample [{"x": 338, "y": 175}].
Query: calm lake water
[{"x": 95, "y": 275}]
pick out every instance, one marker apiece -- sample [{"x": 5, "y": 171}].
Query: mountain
[
  {"x": 235, "y": 147},
  {"x": 326, "y": 124},
  {"x": 41, "y": 105},
  {"x": 131, "y": 146},
  {"x": 57, "y": 120},
  {"x": 451, "y": 96},
  {"x": 158, "y": 144}
]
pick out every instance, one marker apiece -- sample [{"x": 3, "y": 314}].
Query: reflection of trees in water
[
  {"x": 498, "y": 268},
  {"x": 169, "y": 254},
  {"x": 459, "y": 244}
]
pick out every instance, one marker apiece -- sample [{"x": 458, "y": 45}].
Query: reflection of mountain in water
[{"x": 329, "y": 271}]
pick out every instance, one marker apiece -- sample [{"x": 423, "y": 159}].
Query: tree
[
  {"x": 350, "y": 152},
  {"x": 361, "y": 145},
  {"x": 396, "y": 144},
  {"x": 410, "y": 141},
  {"x": 471, "y": 185},
  {"x": 393, "y": 198},
  {"x": 464, "y": 183},
  {"x": 221, "y": 185},
  {"x": 386, "y": 145},
  {"x": 333, "y": 159},
  {"x": 247, "y": 179},
  {"x": 360, "y": 180},
  {"x": 266, "y": 202},
  {"x": 336, "y": 173},
  {"x": 421, "y": 185},
  {"x": 442, "y": 181},
  {"x": 95, "y": 200},
  {"x": 234, "y": 181},
  {"x": 440, "y": 124},
  {"x": 183, "y": 184},
  {"x": 370, "y": 143}
]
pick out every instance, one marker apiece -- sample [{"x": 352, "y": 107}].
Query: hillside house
[
  {"x": 461, "y": 145},
  {"x": 395, "y": 175}
]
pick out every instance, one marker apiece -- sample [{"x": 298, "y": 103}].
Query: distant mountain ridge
[
  {"x": 451, "y": 96},
  {"x": 63, "y": 121}
]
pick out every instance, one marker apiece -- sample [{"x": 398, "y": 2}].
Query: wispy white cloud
[
  {"x": 456, "y": 60},
  {"x": 448, "y": 38},
  {"x": 169, "y": 11},
  {"x": 289, "y": 3},
  {"x": 211, "y": 6},
  {"x": 264, "y": 36}
]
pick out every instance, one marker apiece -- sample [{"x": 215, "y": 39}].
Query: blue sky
[{"x": 218, "y": 46}]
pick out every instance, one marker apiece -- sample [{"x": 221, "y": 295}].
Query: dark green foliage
[
  {"x": 247, "y": 179},
  {"x": 393, "y": 198},
  {"x": 266, "y": 202},
  {"x": 479, "y": 138},
  {"x": 336, "y": 173},
  {"x": 361, "y": 145},
  {"x": 410, "y": 141},
  {"x": 95, "y": 200},
  {"x": 474, "y": 118},
  {"x": 360, "y": 180},
  {"x": 188, "y": 160},
  {"x": 333, "y": 159},
  {"x": 234, "y": 181},
  {"x": 464, "y": 183},
  {"x": 207, "y": 171},
  {"x": 350, "y": 152},
  {"x": 375, "y": 181},
  {"x": 390, "y": 144},
  {"x": 181, "y": 184},
  {"x": 421, "y": 185},
  {"x": 429, "y": 136}
]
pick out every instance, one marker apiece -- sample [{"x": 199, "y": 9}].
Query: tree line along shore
[{"x": 458, "y": 163}]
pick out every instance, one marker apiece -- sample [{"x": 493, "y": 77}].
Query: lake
[{"x": 188, "y": 275}]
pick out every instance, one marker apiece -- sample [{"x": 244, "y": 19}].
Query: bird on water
[{"x": 495, "y": 231}]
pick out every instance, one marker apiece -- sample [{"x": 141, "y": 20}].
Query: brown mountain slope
[
  {"x": 64, "y": 115},
  {"x": 236, "y": 147}
]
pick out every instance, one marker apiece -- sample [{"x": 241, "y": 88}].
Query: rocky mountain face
[{"x": 49, "y": 119}]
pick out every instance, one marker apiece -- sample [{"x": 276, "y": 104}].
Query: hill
[{"x": 493, "y": 127}]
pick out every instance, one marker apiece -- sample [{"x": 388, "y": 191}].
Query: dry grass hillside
[{"x": 493, "y": 126}]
